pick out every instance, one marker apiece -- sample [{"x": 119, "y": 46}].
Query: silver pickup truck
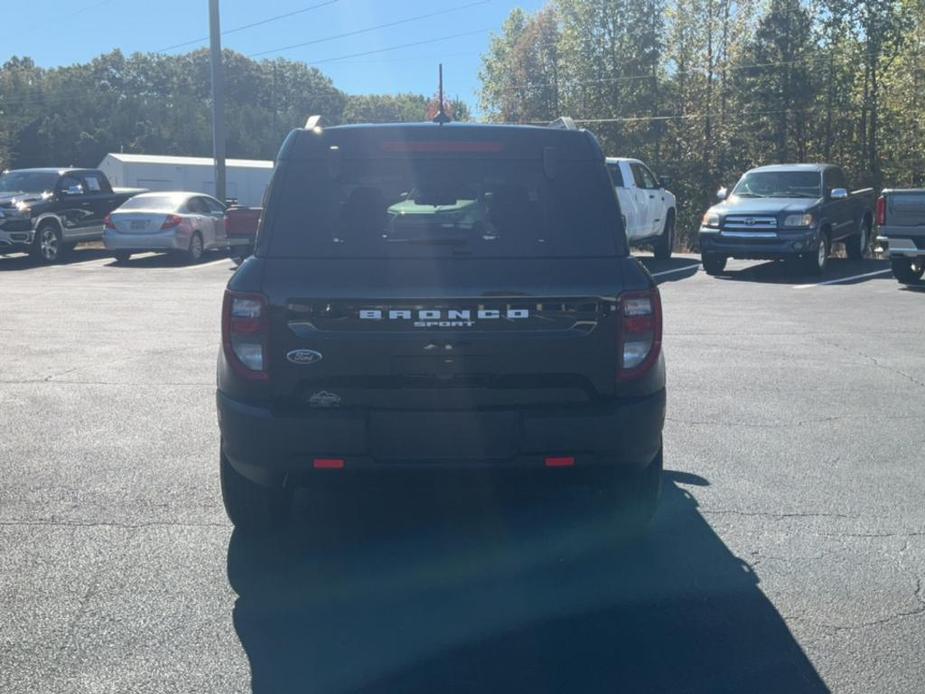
[{"x": 901, "y": 219}]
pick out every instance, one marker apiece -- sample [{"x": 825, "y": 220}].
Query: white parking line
[
  {"x": 677, "y": 269},
  {"x": 842, "y": 279},
  {"x": 199, "y": 266}
]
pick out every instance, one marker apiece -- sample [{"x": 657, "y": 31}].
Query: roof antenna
[{"x": 441, "y": 116}]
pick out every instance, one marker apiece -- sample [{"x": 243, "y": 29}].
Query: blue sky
[{"x": 75, "y": 31}]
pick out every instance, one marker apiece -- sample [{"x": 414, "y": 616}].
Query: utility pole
[{"x": 218, "y": 100}]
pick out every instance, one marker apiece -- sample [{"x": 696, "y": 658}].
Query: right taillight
[
  {"x": 108, "y": 223},
  {"x": 245, "y": 331},
  {"x": 881, "y": 211},
  {"x": 640, "y": 333}
]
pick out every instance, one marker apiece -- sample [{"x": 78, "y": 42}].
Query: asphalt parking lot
[{"x": 787, "y": 556}]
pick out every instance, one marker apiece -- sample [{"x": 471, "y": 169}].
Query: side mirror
[
  {"x": 664, "y": 181},
  {"x": 722, "y": 194},
  {"x": 838, "y": 194}
]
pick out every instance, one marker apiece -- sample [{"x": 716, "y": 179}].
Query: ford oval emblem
[{"x": 304, "y": 356}]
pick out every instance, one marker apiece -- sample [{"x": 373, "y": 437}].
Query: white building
[{"x": 245, "y": 179}]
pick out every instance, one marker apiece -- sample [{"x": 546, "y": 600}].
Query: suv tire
[
  {"x": 907, "y": 270},
  {"x": 713, "y": 263},
  {"x": 251, "y": 507},
  {"x": 857, "y": 247},
  {"x": 664, "y": 245}
]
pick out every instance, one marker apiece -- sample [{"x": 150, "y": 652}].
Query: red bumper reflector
[
  {"x": 328, "y": 464},
  {"x": 560, "y": 462}
]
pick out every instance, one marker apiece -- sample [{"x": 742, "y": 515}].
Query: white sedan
[
  {"x": 187, "y": 223},
  {"x": 648, "y": 208}
]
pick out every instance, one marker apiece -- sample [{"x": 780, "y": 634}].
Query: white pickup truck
[{"x": 648, "y": 208}]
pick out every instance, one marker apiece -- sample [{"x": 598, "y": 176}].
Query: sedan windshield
[
  {"x": 27, "y": 181},
  {"x": 780, "y": 184}
]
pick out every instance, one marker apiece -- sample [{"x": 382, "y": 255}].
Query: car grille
[{"x": 750, "y": 223}]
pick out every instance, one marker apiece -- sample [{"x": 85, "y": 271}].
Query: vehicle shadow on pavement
[
  {"x": 27, "y": 262},
  {"x": 782, "y": 272},
  {"x": 450, "y": 590}
]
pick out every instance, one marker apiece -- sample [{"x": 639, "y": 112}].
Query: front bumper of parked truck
[{"x": 759, "y": 245}]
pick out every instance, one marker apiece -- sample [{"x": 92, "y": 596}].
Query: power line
[
  {"x": 251, "y": 25},
  {"x": 399, "y": 47},
  {"x": 695, "y": 116},
  {"x": 372, "y": 28}
]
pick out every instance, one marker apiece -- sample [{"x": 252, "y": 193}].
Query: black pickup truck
[
  {"x": 787, "y": 211},
  {"x": 47, "y": 212}
]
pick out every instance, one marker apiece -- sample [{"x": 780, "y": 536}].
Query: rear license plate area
[{"x": 461, "y": 435}]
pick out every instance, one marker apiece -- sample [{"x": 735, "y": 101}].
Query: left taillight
[
  {"x": 245, "y": 334},
  {"x": 107, "y": 222},
  {"x": 172, "y": 221},
  {"x": 640, "y": 340}
]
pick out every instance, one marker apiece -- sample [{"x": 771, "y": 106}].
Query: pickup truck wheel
[
  {"x": 250, "y": 506},
  {"x": 857, "y": 247},
  {"x": 815, "y": 263},
  {"x": 665, "y": 243},
  {"x": 194, "y": 253},
  {"x": 47, "y": 246},
  {"x": 908, "y": 270},
  {"x": 713, "y": 263}
]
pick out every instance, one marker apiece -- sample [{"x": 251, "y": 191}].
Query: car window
[
  {"x": 644, "y": 179},
  {"x": 197, "y": 206},
  {"x": 652, "y": 177},
  {"x": 835, "y": 178},
  {"x": 779, "y": 184},
  {"x": 92, "y": 183},
  {"x": 71, "y": 185},
  {"x": 407, "y": 207},
  {"x": 616, "y": 175},
  {"x": 166, "y": 203},
  {"x": 213, "y": 205}
]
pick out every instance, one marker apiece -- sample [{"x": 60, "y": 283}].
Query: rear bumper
[
  {"x": 162, "y": 241},
  {"x": 910, "y": 246},
  {"x": 768, "y": 245},
  {"x": 267, "y": 448}
]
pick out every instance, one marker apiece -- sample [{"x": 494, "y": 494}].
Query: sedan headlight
[
  {"x": 710, "y": 219},
  {"x": 798, "y": 220}
]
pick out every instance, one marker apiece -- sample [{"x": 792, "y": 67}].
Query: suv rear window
[{"x": 485, "y": 207}]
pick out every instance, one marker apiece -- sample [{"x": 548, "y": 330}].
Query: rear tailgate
[
  {"x": 905, "y": 208},
  {"x": 446, "y": 334}
]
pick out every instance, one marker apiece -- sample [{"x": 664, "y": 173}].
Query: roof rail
[
  {"x": 313, "y": 122},
  {"x": 563, "y": 123}
]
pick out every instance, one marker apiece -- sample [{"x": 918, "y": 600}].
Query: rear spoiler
[{"x": 563, "y": 123}]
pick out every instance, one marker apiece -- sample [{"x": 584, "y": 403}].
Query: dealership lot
[{"x": 788, "y": 554}]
